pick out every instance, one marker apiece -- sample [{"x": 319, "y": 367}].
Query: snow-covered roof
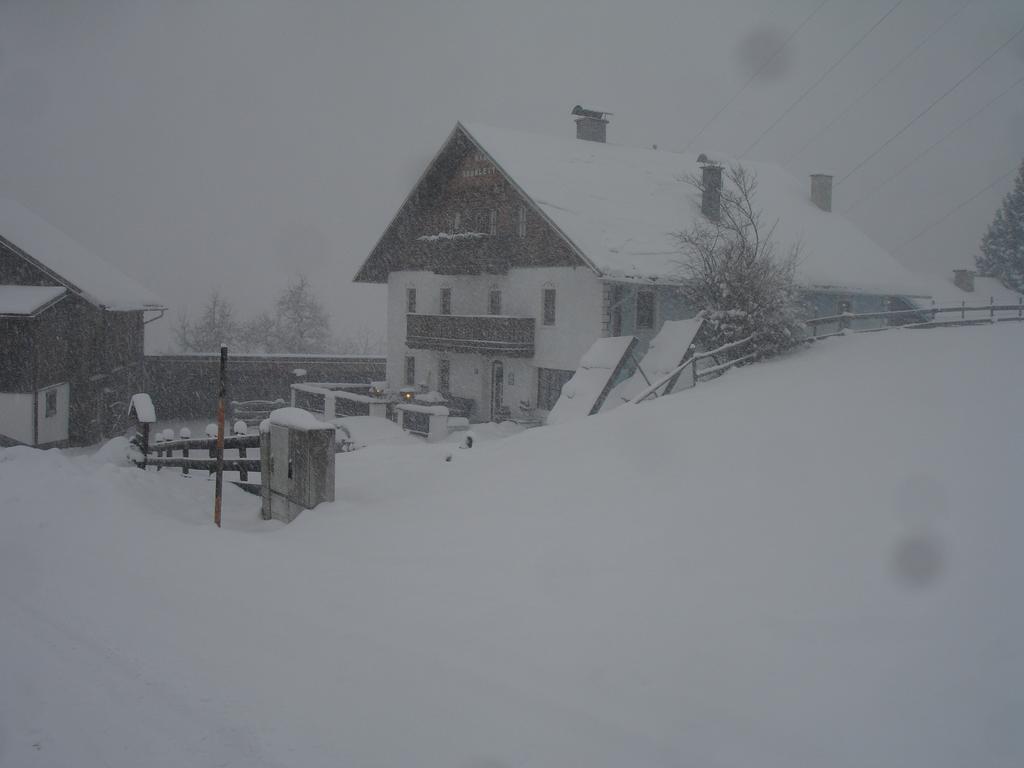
[
  {"x": 620, "y": 205},
  {"x": 70, "y": 263},
  {"x": 28, "y": 299}
]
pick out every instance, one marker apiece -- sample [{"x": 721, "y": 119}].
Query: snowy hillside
[{"x": 809, "y": 562}]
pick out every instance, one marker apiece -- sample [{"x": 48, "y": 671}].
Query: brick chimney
[
  {"x": 591, "y": 125},
  {"x": 711, "y": 188},
  {"x": 821, "y": 190},
  {"x": 964, "y": 279}
]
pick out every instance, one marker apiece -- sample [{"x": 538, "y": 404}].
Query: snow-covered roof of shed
[
  {"x": 620, "y": 205},
  {"x": 28, "y": 299},
  {"x": 70, "y": 263}
]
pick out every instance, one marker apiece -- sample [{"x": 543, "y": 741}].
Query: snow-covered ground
[{"x": 809, "y": 562}]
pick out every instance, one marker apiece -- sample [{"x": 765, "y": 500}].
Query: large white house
[{"x": 514, "y": 252}]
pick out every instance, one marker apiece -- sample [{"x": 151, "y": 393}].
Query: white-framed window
[
  {"x": 549, "y": 300},
  {"x": 410, "y": 371},
  {"x": 492, "y": 223},
  {"x": 444, "y": 375},
  {"x": 521, "y": 221}
]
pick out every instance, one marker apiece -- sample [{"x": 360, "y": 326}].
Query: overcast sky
[{"x": 238, "y": 143}]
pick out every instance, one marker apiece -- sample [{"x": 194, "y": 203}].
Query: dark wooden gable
[
  {"x": 15, "y": 269},
  {"x": 466, "y": 216}
]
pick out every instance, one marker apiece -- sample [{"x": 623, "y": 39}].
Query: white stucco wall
[
  {"x": 16, "y": 416},
  {"x": 577, "y": 325}
]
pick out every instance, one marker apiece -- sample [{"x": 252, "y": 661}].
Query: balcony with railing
[{"x": 499, "y": 335}]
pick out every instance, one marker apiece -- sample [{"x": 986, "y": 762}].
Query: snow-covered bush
[{"x": 731, "y": 272}]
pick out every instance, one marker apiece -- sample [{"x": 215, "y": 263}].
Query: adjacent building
[
  {"x": 71, "y": 336},
  {"x": 514, "y": 252}
]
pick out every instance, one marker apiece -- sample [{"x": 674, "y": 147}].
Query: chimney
[
  {"x": 821, "y": 190},
  {"x": 711, "y": 188},
  {"x": 964, "y": 279},
  {"x": 591, "y": 125}
]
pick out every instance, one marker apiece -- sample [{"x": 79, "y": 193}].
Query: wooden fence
[
  {"x": 159, "y": 452},
  {"x": 690, "y": 369},
  {"x": 980, "y": 314}
]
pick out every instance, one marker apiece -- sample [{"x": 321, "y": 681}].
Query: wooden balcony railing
[{"x": 485, "y": 334}]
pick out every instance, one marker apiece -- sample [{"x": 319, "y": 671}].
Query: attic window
[{"x": 521, "y": 221}]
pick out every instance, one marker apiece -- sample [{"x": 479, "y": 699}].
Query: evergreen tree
[{"x": 1002, "y": 247}]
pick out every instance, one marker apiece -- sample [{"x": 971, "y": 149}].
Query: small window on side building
[
  {"x": 645, "y": 309},
  {"x": 494, "y": 302},
  {"x": 446, "y": 301},
  {"x": 51, "y": 403},
  {"x": 410, "y": 300}
]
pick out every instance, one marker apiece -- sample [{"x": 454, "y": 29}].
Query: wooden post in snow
[
  {"x": 220, "y": 432},
  {"x": 145, "y": 443},
  {"x": 184, "y": 434},
  {"x": 241, "y": 429}
]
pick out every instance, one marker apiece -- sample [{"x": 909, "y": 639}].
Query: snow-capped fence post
[
  {"x": 145, "y": 414},
  {"x": 220, "y": 433}
]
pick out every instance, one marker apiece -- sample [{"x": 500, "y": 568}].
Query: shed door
[{"x": 53, "y": 405}]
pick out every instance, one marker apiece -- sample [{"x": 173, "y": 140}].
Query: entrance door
[{"x": 497, "y": 388}]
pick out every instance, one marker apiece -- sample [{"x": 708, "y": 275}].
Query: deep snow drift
[{"x": 809, "y": 562}]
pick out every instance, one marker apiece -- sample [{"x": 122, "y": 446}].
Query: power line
[
  {"x": 953, "y": 210},
  {"x": 879, "y": 81},
  {"x": 826, "y": 73},
  {"x": 928, "y": 109},
  {"x": 753, "y": 77},
  {"x": 930, "y": 147}
]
